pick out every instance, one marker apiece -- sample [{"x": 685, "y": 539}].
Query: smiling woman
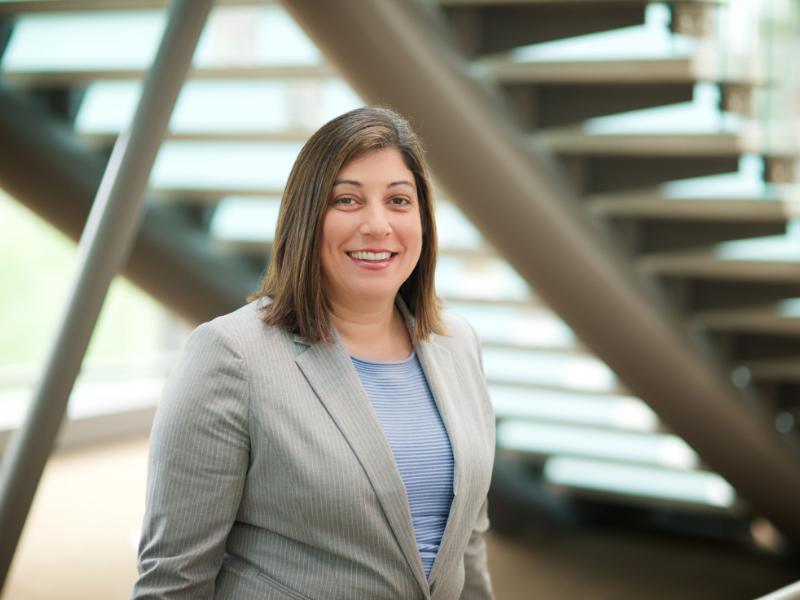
[
  {"x": 362, "y": 170},
  {"x": 334, "y": 438}
]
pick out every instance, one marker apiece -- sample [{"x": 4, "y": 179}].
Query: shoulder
[
  {"x": 242, "y": 330},
  {"x": 461, "y": 336}
]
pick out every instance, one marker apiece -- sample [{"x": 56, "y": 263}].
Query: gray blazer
[{"x": 270, "y": 476}]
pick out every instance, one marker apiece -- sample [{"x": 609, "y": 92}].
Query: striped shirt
[{"x": 400, "y": 395}]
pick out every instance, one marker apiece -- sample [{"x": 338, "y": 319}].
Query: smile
[{"x": 371, "y": 256}]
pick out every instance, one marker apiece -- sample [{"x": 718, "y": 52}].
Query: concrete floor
[{"x": 77, "y": 545}]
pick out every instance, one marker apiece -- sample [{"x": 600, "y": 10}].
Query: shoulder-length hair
[{"x": 293, "y": 281}]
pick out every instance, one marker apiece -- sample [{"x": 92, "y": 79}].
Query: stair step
[
  {"x": 779, "y": 318},
  {"x": 780, "y": 370},
  {"x": 544, "y": 105},
  {"x": 55, "y": 79},
  {"x": 575, "y": 140},
  {"x": 648, "y": 236},
  {"x": 647, "y": 222},
  {"x": 505, "y": 69},
  {"x": 699, "y": 209},
  {"x": 178, "y": 194},
  {"x": 705, "y": 264},
  {"x": 491, "y": 26},
  {"x": 106, "y": 140}
]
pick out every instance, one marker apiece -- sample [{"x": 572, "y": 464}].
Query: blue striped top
[{"x": 400, "y": 395}]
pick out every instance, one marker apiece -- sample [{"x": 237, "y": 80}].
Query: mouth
[{"x": 371, "y": 256}]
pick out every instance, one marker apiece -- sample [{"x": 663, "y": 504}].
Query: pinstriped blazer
[{"x": 270, "y": 476}]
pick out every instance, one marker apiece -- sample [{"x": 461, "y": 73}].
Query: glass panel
[{"x": 701, "y": 116}]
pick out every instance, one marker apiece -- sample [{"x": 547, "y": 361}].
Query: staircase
[{"x": 672, "y": 140}]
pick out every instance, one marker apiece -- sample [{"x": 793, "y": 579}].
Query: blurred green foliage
[{"x": 36, "y": 268}]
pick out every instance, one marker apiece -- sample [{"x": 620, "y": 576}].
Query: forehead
[{"x": 378, "y": 164}]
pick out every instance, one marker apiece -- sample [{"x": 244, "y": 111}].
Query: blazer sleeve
[{"x": 199, "y": 454}]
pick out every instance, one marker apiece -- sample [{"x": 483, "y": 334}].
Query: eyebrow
[
  {"x": 408, "y": 183},
  {"x": 358, "y": 183}
]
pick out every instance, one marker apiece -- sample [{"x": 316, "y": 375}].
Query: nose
[{"x": 375, "y": 223}]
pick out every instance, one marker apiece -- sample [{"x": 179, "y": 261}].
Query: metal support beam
[
  {"x": 110, "y": 230},
  {"x": 391, "y": 51}
]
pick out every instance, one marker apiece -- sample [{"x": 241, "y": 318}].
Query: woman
[{"x": 333, "y": 438}]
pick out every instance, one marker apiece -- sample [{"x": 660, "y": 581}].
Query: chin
[{"x": 373, "y": 294}]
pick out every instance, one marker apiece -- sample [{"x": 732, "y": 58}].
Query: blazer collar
[{"x": 333, "y": 377}]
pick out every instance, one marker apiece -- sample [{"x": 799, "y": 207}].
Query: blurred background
[{"x": 671, "y": 129}]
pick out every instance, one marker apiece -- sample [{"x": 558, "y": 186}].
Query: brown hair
[{"x": 294, "y": 278}]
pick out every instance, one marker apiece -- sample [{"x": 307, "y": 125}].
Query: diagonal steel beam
[
  {"x": 105, "y": 244},
  {"x": 44, "y": 166},
  {"x": 392, "y": 51}
]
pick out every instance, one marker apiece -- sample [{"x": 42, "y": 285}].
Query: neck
[{"x": 375, "y": 332}]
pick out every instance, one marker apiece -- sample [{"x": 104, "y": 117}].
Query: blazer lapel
[
  {"x": 437, "y": 363},
  {"x": 331, "y": 374}
]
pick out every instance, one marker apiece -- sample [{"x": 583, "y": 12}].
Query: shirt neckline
[{"x": 404, "y": 361}]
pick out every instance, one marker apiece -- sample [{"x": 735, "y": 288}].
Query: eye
[
  {"x": 400, "y": 201},
  {"x": 345, "y": 201}
]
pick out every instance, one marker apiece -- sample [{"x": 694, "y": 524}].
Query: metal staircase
[{"x": 665, "y": 152}]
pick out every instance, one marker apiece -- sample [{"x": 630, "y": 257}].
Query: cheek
[
  {"x": 414, "y": 235},
  {"x": 333, "y": 230}
]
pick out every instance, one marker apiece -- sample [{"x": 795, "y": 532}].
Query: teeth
[{"x": 375, "y": 256}]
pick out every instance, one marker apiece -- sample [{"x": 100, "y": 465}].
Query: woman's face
[{"x": 372, "y": 232}]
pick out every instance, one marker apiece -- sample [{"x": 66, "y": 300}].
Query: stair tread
[
  {"x": 775, "y": 369},
  {"x": 778, "y": 318},
  {"x": 576, "y": 140},
  {"x": 28, "y": 78},
  {"x": 705, "y": 263},
  {"x": 106, "y": 139},
  {"x": 700, "y": 209},
  {"x": 505, "y": 69}
]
